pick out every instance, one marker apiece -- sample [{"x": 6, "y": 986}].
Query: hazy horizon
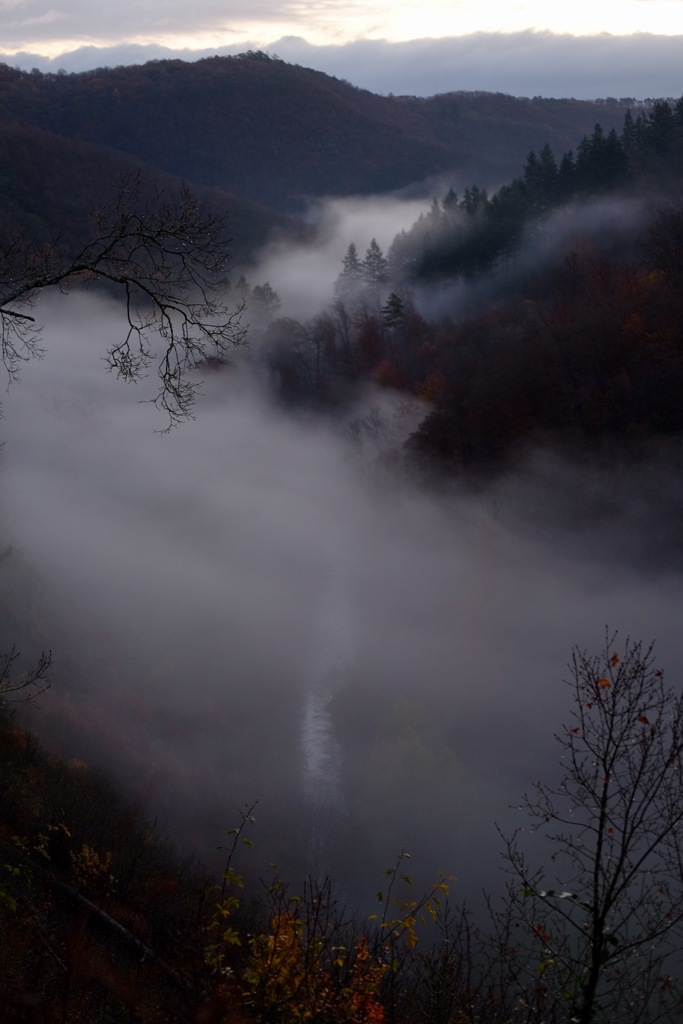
[{"x": 523, "y": 63}]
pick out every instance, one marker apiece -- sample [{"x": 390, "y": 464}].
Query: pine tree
[
  {"x": 265, "y": 300},
  {"x": 375, "y": 265},
  {"x": 450, "y": 201},
  {"x": 394, "y": 312},
  {"x": 566, "y": 176},
  {"x": 351, "y": 276}
]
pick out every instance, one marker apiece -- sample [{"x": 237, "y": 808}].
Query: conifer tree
[
  {"x": 351, "y": 277},
  {"x": 375, "y": 265}
]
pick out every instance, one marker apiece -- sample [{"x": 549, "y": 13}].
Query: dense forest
[
  {"x": 567, "y": 285},
  {"x": 545, "y": 314},
  {"x": 223, "y": 124}
]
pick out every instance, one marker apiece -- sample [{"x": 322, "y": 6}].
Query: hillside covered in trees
[
  {"x": 223, "y": 125},
  {"x": 565, "y": 289}
]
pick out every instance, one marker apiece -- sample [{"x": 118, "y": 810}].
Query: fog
[
  {"x": 304, "y": 275},
  {"x": 242, "y": 609}
]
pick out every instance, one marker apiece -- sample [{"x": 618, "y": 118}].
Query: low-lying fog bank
[{"x": 241, "y": 609}]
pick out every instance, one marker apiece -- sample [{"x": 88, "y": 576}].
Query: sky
[{"x": 439, "y": 45}]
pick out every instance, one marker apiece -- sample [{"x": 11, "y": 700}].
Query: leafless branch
[
  {"x": 603, "y": 915},
  {"x": 168, "y": 257},
  {"x": 24, "y": 687}
]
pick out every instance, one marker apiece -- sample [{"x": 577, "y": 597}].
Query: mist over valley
[
  {"x": 197, "y": 587},
  {"x": 343, "y": 589}
]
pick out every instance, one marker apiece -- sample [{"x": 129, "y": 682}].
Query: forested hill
[
  {"x": 277, "y": 134},
  {"x": 49, "y": 185},
  {"x": 545, "y": 316}
]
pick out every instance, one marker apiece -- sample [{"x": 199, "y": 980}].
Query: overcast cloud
[
  {"x": 615, "y": 48},
  {"x": 50, "y": 25},
  {"x": 520, "y": 64}
]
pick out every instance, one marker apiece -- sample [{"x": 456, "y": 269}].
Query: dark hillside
[
  {"x": 561, "y": 322},
  {"x": 49, "y": 186},
  {"x": 277, "y": 133}
]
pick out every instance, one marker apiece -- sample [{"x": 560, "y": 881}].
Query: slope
[{"x": 278, "y": 134}]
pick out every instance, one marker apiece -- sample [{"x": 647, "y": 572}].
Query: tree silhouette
[
  {"x": 22, "y": 687},
  {"x": 350, "y": 279},
  {"x": 375, "y": 265},
  {"x": 598, "y": 923},
  {"x": 167, "y": 256}
]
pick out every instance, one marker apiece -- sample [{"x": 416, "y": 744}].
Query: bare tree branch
[
  {"x": 168, "y": 257},
  {"x": 601, "y": 919},
  {"x": 23, "y": 687}
]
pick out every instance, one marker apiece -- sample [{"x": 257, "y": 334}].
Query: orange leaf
[
  {"x": 644, "y": 719},
  {"x": 604, "y": 684},
  {"x": 615, "y": 659}
]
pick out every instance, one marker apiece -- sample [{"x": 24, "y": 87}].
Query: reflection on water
[{"x": 322, "y": 755}]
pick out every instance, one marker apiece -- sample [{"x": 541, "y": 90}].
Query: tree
[
  {"x": 601, "y": 161},
  {"x": 350, "y": 279},
  {"x": 628, "y": 135},
  {"x": 449, "y": 203},
  {"x": 540, "y": 179},
  {"x": 661, "y": 126},
  {"x": 474, "y": 200},
  {"x": 265, "y": 300},
  {"x": 598, "y": 924},
  {"x": 566, "y": 176},
  {"x": 375, "y": 265},
  {"x": 168, "y": 257},
  {"x": 394, "y": 313},
  {"x": 22, "y": 687}
]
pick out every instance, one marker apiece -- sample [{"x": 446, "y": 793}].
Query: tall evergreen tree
[
  {"x": 351, "y": 276},
  {"x": 449, "y": 202},
  {"x": 394, "y": 313},
  {"x": 566, "y": 176},
  {"x": 628, "y": 135},
  {"x": 660, "y": 128},
  {"x": 375, "y": 265}
]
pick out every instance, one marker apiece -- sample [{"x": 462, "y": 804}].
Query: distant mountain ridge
[{"x": 276, "y": 134}]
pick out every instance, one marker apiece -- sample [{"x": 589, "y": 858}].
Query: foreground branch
[{"x": 168, "y": 257}]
